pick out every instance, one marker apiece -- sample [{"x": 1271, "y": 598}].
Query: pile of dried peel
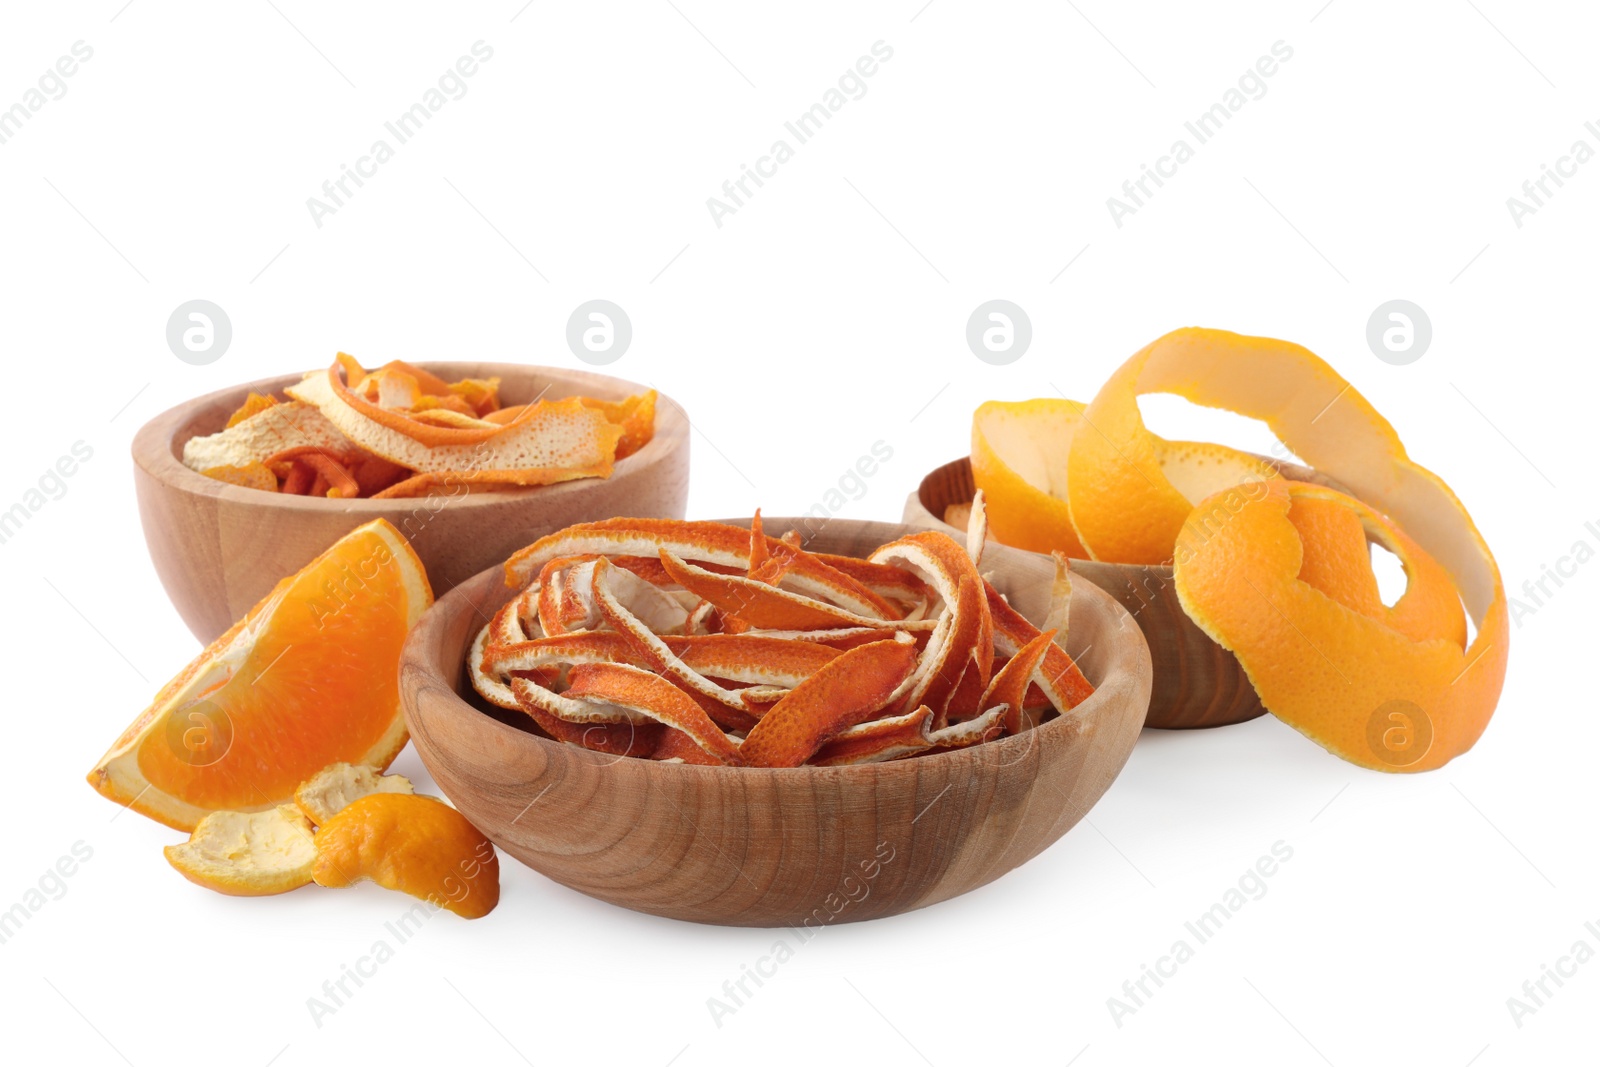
[
  {"x": 400, "y": 431},
  {"x": 704, "y": 643}
]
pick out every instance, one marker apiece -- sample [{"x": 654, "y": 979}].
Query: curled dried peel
[
  {"x": 1331, "y": 669},
  {"x": 270, "y": 431},
  {"x": 848, "y": 691},
  {"x": 703, "y": 543},
  {"x": 643, "y": 692},
  {"x": 961, "y": 633},
  {"x": 548, "y": 442}
]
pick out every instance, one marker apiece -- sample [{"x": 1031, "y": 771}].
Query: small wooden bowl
[
  {"x": 219, "y": 548},
  {"x": 1198, "y": 683},
  {"x": 764, "y": 847}
]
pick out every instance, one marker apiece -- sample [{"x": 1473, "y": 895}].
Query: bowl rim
[
  {"x": 157, "y": 449},
  {"x": 881, "y": 774}
]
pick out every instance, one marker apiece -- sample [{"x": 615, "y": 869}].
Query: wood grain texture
[
  {"x": 1198, "y": 683},
  {"x": 808, "y": 846},
  {"x": 219, "y": 548}
]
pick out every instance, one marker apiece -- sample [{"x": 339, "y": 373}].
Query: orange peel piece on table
[
  {"x": 415, "y": 844},
  {"x": 248, "y": 854},
  {"x": 1368, "y": 685},
  {"x": 847, "y": 691}
]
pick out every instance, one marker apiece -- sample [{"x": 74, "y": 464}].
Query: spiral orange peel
[
  {"x": 1370, "y": 686},
  {"x": 1275, "y": 572}
]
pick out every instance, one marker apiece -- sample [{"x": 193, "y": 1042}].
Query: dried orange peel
[
  {"x": 415, "y": 844},
  {"x": 712, "y": 644},
  {"x": 401, "y": 431},
  {"x": 1277, "y": 572}
]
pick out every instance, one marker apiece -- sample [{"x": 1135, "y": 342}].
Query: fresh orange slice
[
  {"x": 307, "y": 678},
  {"x": 248, "y": 854},
  {"x": 415, "y": 844},
  {"x": 1387, "y": 688}
]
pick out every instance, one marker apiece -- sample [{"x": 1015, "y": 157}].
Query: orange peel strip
[
  {"x": 1058, "y": 675},
  {"x": 1010, "y": 686},
  {"x": 881, "y": 739},
  {"x": 254, "y": 404},
  {"x": 960, "y": 634},
  {"x": 765, "y": 606},
  {"x": 1359, "y": 685},
  {"x": 703, "y": 543},
  {"x": 250, "y": 476},
  {"x": 648, "y": 694},
  {"x": 545, "y": 438},
  {"x": 751, "y": 659},
  {"x": 849, "y": 690}
]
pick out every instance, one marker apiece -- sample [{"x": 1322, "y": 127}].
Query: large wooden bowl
[
  {"x": 1198, "y": 683},
  {"x": 220, "y": 548},
  {"x": 764, "y": 847}
]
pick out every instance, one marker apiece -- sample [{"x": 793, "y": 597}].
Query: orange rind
[
  {"x": 248, "y": 854},
  {"x": 337, "y": 786},
  {"x": 275, "y": 699},
  {"x": 846, "y": 692},
  {"x": 1391, "y": 689},
  {"x": 414, "y": 844}
]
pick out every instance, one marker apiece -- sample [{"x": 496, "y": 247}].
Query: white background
[{"x": 827, "y": 314}]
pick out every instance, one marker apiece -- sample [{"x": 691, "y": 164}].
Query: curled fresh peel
[
  {"x": 1132, "y": 497},
  {"x": 1321, "y": 658},
  {"x": 248, "y": 854},
  {"x": 415, "y": 844}
]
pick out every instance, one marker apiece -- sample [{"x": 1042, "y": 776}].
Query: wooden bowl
[
  {"x": 220, "y": 548},
  {"x": 767, "y": 847},
  {"x": 1198, "y": 683}
]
